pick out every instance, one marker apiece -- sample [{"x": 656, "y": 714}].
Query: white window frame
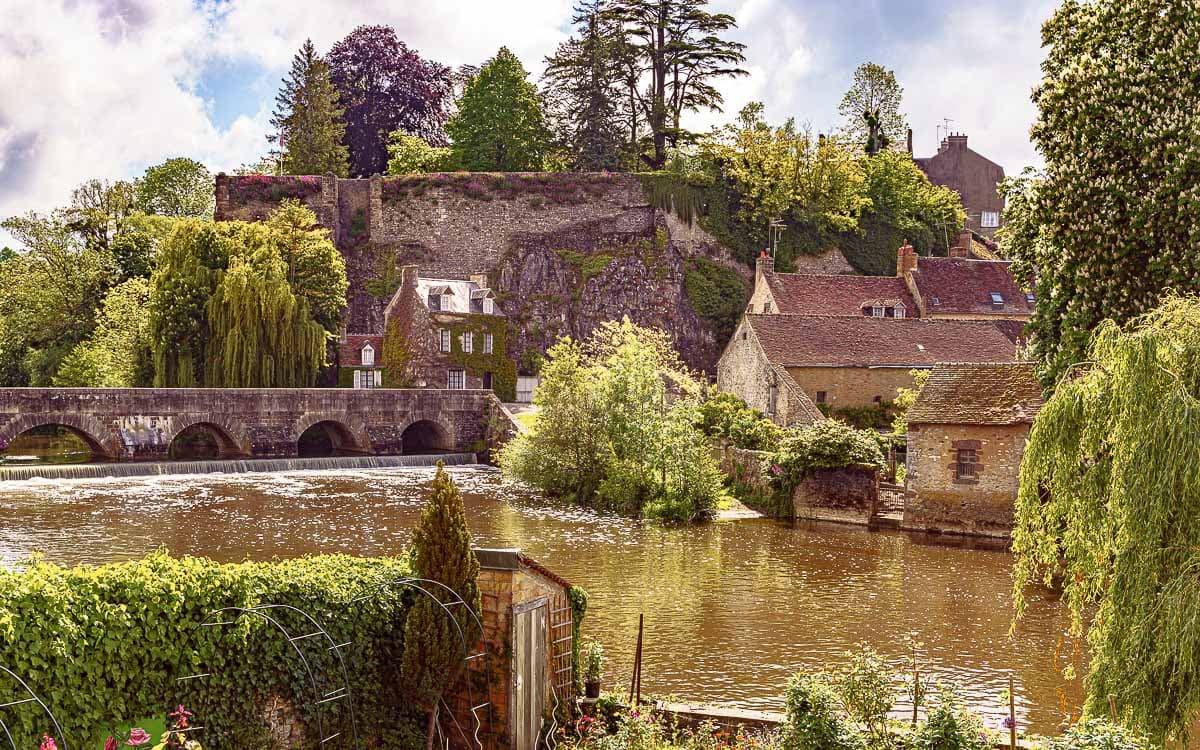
[
  {"x": 460, "y": 376},
  {"x": 899, "y": 311},
  {"x": 488, "y": 343},
  {"x": 989, "y": 219},
  {"x": 367, "y": 355},
  {"x": 489, "y": 307},
  {"x": 877, "y": 311},
  {"x": 468, "y": 342},
  {"x": 444, "y": 343}
]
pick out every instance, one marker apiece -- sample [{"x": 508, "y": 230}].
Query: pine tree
[
  {"x": 309, "y": 119},
  {"x": 433, "y": 652}
]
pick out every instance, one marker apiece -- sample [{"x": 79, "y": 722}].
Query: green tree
[
  {"x": 873, "y": 97},
  {"x": 433, "y": 649},
  {"x": 117, "y": 354},
  {"x": 582, "y": 85},
  {"x": 499, "y": 125},
  {"x": 412, "y": 154},
  {"x": 99, "y": 210},
  {"x": 245, "y": 305},
  {"x": 677, "y": 50},
  {"x": 179, "y": 187},
  {"x": 1107, "y": 509},
  {"x": 1118, "y": 205},
  {"x": 309, "y": 120}
]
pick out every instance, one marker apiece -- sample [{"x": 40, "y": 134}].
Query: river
[{"x": 732, "y": 608}]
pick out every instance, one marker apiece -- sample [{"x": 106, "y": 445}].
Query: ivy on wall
[
  {"x": 717, "y": 293},
  {"x": 475, "y": 362},
  {"x": 105, "y": 645}
]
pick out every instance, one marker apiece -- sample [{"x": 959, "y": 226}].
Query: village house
[
  {"x": 967, "y": 432},
  {"x": 959, "y": 287},
  {"x": 443, "y": 333},
  {"x": 975, "y": 177},
  {"x": 792, "y": 367}
]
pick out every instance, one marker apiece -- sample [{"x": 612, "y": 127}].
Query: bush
[
  {"x": 1098, "y": 734},
  {"x": 950, "y": 727},
  {"x": 104, "y": 645},
  {"x": 814, "y": 719},
  {"x": 725, "y": 415},
  {"x": 828, "y": 444}
]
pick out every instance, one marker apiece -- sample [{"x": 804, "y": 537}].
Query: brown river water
[{"x": 732, "y": 608}]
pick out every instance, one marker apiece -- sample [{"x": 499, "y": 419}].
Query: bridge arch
[
  {"x": 427, "y": 434},
  {"x": 207, "y": 437},
  {"x": 95, "y": 433},
  {"x": 328, "y": 434}
]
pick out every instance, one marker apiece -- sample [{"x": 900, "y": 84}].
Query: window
[
  {"x": 820, "y": 397},
  {"x": 444, "y": 334},
  {"x": 877, "y": 311},
  {"x": 966, "y": 463},
  {"x": 934, "y": 301},
  {"x": 368, "y": 378},
  {"x": 489, "y": 307},
  {"x": 878, "y": 399},
  {"x": 368, "y": 355},
  {"x": 435, "y": 302},
  {"x": 900, "y": 311},
  {"x": 767, "y": 307},
  {"x": 468, "y": 342},
  {"x": 990, "y": 219},
  {"x": 487, "y": 343},
  {"x": 997, "y": 298},
  {"x": 456, "y": 379},
  {"x": 1029, "y": 297},
  {"x": 772, "y": 399}
]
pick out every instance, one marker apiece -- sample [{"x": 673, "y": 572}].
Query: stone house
[
  {"x": 975, "y": 177},
  {"x": 791, "y": 366},
  {"x": 967, "y": 432},
  {"x": 960, "y": 287},
  {"x": 450, "y": 333}
]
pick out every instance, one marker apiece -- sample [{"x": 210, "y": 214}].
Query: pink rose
[
  {"x": 110, "y": 744},
  {"x": 47, "y": 743},
  {"x": 137, "y": 737}
]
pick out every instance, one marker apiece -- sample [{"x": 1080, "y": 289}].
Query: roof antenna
[
  {"x": 777, "y": 226},
  {"x": 945, "y": 126}
]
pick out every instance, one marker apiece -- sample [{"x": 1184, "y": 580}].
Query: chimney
[
  {"x": 480, "y": 280},
  {"x": 764, "y": 265},
  {"x": 962, "y": 247},
  {"x": 957, "y": 141},
  {"x": 405, "y": 292},
  {"x": 906, "y": 260},
  {"x": 910, "y": 141}
]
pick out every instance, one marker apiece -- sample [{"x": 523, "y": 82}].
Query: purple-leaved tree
[{"x": 386, "y": 86}]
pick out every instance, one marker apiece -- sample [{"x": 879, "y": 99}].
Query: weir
[{"x": 231, "y": 466}]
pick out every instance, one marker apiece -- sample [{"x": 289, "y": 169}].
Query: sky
[{"x": 106, "y": 88}]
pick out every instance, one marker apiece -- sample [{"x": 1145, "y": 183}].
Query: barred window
[
  {"x": 456, "y": 379},
  {"x": 966, "y": 463}
]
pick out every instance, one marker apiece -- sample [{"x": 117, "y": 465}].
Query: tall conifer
[{"x": 309, "y": 119}]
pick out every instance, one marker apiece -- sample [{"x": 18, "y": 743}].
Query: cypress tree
[
  {"x": 441, "y": 552},
  {"x": 309, "y": 119}
]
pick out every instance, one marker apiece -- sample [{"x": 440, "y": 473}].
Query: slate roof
[
  {"x": 835, "y": 294},
  {"x": 981, "y": 393},
  {"x": 457, "y": 296},
  {"x": 859, "y": 341},
  {"x": 964, "y": 285}
]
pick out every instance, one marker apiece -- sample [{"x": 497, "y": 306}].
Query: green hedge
[{"x": 103, "y": 645}]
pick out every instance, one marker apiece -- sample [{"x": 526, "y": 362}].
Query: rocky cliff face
[{"x": 564, "y": 252}]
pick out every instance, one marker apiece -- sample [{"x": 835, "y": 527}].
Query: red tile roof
[
  {"x": 978, "y": 393},
  {"x": 835, "y": 341},
  {"x": 835, "y": 294},
  {"x": 965, "y": 286}
]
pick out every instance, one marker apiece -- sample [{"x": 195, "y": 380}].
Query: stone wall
[
  {"x": 141, "y": 423},
  {"x": 230, "y": 206},
  {"x": 937, "y": 501},
  {"x": 744, "y": 369},
  {"x": 851, "y": 387},
  {"x": 848, "y": 495}
]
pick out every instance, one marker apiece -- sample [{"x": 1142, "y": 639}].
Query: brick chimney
[
  {"x": 764, "y": 265},
  {"x": 962, "y": 246},
  {"x": 910, "y": 141},
  {"x": 480, "y": 280},
  {"x": 906, "y": 260},
  {"x": 957, "y": 141},
  {"x": 407, "y": 291}
]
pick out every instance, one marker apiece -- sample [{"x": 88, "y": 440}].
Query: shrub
[
  {"x": 950, "y": 727},
  {"x": 1098, "y": 734},
  {"x": 726, "y": 415},
  {"x": 814, "y": 719},
  {"x": 828, "y": 444},
  {"x": 718, "y": 294},
  {"x": 104, "y": 645}
]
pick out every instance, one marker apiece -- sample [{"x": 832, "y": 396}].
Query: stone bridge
[{"x": 149, "y": 424}]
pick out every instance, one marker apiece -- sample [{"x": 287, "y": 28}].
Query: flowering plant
[
  {"x": 47, "y": 743},
  {"x": 135, "y": 737},
  {"x": 179, "y": 722}
]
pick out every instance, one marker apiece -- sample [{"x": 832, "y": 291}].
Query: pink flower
[
  {"x": 47, "y": 743},
  {"x": 137, "y": 736},
  {"x": 110, "y": 744}
]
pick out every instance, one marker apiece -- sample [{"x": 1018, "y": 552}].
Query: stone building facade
[
  {"x": 966, "y": 436},
  {"x": 789, "y": 365},
  {"x": 975, "y": 177}
]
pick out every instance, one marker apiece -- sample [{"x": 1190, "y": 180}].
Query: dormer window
[
  {"x": 368, "y": 355},
  {"x": 900, "y": 311},
  {"x": 435, "y": 302},
  {"x": 934, "y": 301},
  {"x": 997, "y": 299},
  {"x": 877, "y": 311}
]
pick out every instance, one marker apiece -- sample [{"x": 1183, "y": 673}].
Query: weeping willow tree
[
  {"x": 1110, "y": 504},
  {"x": 241, "y": 305}
]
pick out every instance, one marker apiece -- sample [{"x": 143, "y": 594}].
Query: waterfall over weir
[{"x": 227, "y": 466}]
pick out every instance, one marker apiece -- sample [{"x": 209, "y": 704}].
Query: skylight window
[
  {"x": 997, "y": 299},
  {"x": 934, "y": 301},
  {"x": 1029, "y": 297}
]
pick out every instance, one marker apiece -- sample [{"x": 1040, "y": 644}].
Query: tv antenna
[
  {"x": 777, "y": 226},
  {"x": 944, "y": 127}
]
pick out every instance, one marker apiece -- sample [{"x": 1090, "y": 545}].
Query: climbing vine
[
  {"x": 476, "y": 362},
  {"x": 1110, "y": 487},
  {"x": 397, "y": 356}
]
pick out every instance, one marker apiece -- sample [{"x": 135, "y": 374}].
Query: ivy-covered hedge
[{"x": 104, "y": 645}]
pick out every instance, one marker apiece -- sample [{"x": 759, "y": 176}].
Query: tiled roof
[
  {"x": 835, "y": 341},
  {"x": 963, "y": 285},
  {"x": 835, "y": 294},
  {"x": 978, "y": 393}
]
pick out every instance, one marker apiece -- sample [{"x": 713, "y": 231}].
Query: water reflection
[{"x": 732, "y": 609}]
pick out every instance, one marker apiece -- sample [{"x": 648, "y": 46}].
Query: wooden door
[{"x": 529, "y": 673}]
